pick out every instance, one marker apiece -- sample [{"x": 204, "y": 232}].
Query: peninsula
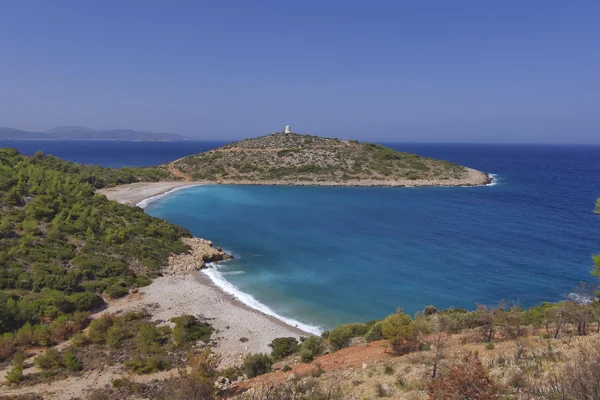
[{"x": 287, "y": 158}]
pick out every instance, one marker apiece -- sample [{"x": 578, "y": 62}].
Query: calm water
[
  {"x": 112, "y": 153},
  {"x": 323, "y": 256}
]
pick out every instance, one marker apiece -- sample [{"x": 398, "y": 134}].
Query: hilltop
[
  {"x": 295, "y": 159},
  {"x": 81, "y": 133}
]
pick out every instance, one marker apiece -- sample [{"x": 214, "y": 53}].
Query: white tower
[{"x": 288, "y": 129}]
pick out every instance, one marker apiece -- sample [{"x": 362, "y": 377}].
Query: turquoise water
[{"x": 324, "y": 256}]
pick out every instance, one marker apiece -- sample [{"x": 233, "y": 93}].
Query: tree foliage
[{"x": 61, "y": 244}]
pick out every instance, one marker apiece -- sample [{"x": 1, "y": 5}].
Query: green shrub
[
  {"x": 188, "y": 329},
  {"x": 118, "y": 333},
  {"x": 147, "y": 365},
  {"x": 8, "y": 345},
  {"x": 15, "y": 375},
  {"x": 49, "y": 360},
  {"x": 70, "y": 360},
  {"x": 98, "y": 329},
  {"x": 150, "y": 339},
  {"x": 25, "y": 335},
  {"x": 80, "y": 339},
  {"x": 398, "y": 325},
  {"x": 283, "y": 347},
  {"x": 257, "y": 364},
  {"x": 306, "y": 356},
  {"x": 374, "y": 333},
  {"x": 311, "y": 347},
  {"x": 340, "y": 337},
  {"x": 86, "y": 301},
  {"x": 116, "y": 291}
]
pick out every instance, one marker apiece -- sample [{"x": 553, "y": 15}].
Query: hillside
[
  {"x": 80, "y": 133},
  {"x": 294, "y": 159},
  {"x": 62, "y": 245}
]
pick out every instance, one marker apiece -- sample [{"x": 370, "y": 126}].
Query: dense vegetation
[
  {"x": 62, "y": 245},
  {"x": 296, "y": 159}
]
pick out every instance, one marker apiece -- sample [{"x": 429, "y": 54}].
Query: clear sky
[{"x": 475, "y": 71}]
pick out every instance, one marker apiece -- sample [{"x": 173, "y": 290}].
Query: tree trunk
[
  {"x": 579, "y": 328},
  {"x": 434, "y": 370},
  {"x": 491, "y": 334},
  {"x": 556, "y": 332}
]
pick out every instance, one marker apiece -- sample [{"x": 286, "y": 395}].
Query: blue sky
[{"x": 464, "y": 71}]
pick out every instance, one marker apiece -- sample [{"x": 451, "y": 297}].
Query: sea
[{"x": 317, "y": 257}]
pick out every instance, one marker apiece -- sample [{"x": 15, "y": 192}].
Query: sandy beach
[
  {"x": 194, "y": 293},
  {"x": 134, "y": 193}
]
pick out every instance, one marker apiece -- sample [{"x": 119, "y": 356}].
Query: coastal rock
[{"x": 201, "y": 251}]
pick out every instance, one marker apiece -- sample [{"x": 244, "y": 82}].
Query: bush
[
  {"x": 340, "y": 337},
  {"x": 15, "y": 375},
  {"x": 312, "y": 347},
  {"x": 86, "y": 301},
  {"x": 374, "y": 332},
  {"x": 468, "y": 379},
  {"x": 98, "y": 329},
  {"x": 116, "y": 291},
  {"x": 429, "y": 310},
  {"x": 66, "y": 326},
  {"x": 8, "y": 345},
  {"x": 149, "y": 339},
  {"x": 257, "y": 364},
  {"x": 189, "y": 329},
  {"x": 306, "y": 356},
  {"x": 49, "y": 360},
  {"x": 118, "y": 333},
  {"x": 80, "y": 339},
  {"x": 402, "y": 346},
  {"x": 283, "y": 347},
  {"x": 70, "y": 360},
  {"x": 398, "y": 325},
  {"x": 148, "y": 365}
]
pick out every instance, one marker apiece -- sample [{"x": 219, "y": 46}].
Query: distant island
[
  {"x": 81, "y": 133},
  {"x": 287, "y": 158}
]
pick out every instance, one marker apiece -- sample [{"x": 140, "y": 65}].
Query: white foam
[
  {"x": 494, "y": 180},
  {"x": 217, "y": 278},
  {"x": 144, "y": 203}
]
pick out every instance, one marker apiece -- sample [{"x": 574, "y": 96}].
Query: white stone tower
[{"x": 288, "y": 129}]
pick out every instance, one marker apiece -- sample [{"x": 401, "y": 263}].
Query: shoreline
[
  {"x": 239, "y": 329},
  {"x": 199, "y": 293},
  {"x": 203, "y": 279},
  {"x": 143, "y": 193}
]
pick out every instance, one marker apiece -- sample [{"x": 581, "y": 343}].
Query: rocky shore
[{"x": 201, "y": 252}]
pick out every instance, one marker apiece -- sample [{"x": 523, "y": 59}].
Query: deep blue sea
[{"x": 324, "y": 256}]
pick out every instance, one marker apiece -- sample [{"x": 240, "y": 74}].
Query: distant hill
[
  {"x": 294, "y": 159},
  {"x": 81, "y": 133}
]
